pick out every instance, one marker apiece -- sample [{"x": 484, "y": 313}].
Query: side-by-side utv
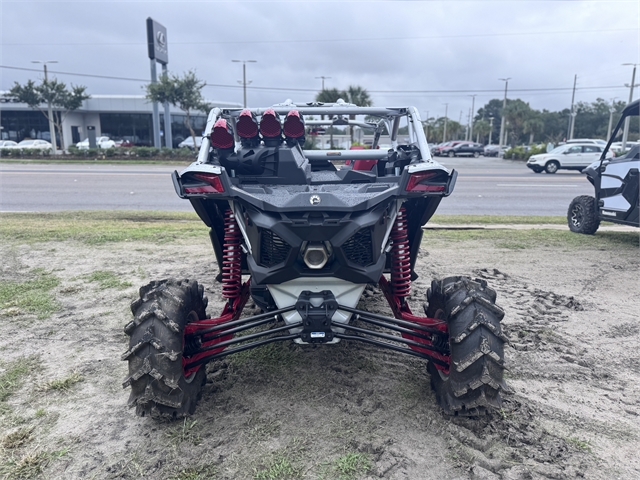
[
  {"x": 302, "y": 233},
  {"x": 615, "y": 182}
]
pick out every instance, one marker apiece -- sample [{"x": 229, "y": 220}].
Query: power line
[
  {"x": 332, "y": 40},
  {"x": 293, "y": 89}
]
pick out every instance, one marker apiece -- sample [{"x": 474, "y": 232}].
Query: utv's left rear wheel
[
  {"x": 159, "y": 387},
  {"x": 473, "y": 384}
]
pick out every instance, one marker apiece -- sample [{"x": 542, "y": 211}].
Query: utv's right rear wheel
[
  {"x": 159, "y": 387},
  {"x": 476, "y": 344},
  {"x": 582, "y": 216}
]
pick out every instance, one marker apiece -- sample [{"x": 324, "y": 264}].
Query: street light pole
[
  {"x": 444, "y": 133},
  {"x": 473, "y": 106},
  {"x": 572, "y": 118},
  {"x": 490, "y": 128},
  {"x": 611, "y": 110},
  {"x": 504, "y": 106},
  {"x": 625, "y": 135},
  {"x": 244, "y": 78},
  {"x": 52, "y": 128},
  {"x": 323, "y": 79}
]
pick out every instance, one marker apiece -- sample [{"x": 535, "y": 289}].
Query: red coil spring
[
  {"x": 400, "y": 256},
  {"x": 231, "y": 257}
]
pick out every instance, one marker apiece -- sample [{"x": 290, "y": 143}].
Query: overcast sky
[{"x": 422, "y": 53}]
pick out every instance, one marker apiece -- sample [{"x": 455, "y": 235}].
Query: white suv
[{"x": 571, "y": 156}]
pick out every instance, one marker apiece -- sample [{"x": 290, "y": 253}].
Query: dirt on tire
[{"x": 331, "y": 411}]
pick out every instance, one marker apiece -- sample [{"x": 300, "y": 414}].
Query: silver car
[{"x": 570, "y": 156}]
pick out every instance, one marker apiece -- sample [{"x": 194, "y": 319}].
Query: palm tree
[
  {"x": 481, "y": 128},
  {"x": 360, "y": 97},
  {"x": 516, "y": 113},
  {"x": 532, "y": 126},
  {"x": 330, "y": 95}
]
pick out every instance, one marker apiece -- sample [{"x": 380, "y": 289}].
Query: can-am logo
[
  {"x": 161, "y": 38},
  {"x": 314, "y": 199}
]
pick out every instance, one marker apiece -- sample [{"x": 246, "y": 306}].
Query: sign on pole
[
  {"x": 158, "y": 52},
  {"x": 157, "y": 42}
]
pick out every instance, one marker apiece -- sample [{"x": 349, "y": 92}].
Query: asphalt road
[{"x": 486, "y": 186}]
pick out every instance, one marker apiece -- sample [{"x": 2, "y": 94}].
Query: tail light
[
  {"x": 214, "y": 185},
  {"x": 222, "y": 135},
  {"x": 247, "y": 125},
  {"x": 294, "y": 125},
  {"x": 425, "y": 182},
  {"x": 270, "y": 124}
]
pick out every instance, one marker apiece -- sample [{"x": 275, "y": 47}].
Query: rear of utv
[{"x": 302, "y": 233}]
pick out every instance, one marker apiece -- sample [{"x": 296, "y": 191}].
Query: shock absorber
[
  {"x": 231, "y": 257},
  {"x": 400, "y": 256}
]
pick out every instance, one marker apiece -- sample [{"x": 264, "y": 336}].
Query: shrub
[
  {"x": 24, "y": 152},
  {"x": 522, "y": 153},
  {"x": 145, "y": 152}
]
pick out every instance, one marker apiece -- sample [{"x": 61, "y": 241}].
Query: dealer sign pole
[{"x": 158, "y": 52}]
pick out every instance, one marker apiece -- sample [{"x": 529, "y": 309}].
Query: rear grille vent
[
  {"x": 273, "y": 249},
  {"x": 359, "y": 248}
]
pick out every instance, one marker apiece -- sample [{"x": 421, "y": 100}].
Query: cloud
[{"x": 391, "y": 46}]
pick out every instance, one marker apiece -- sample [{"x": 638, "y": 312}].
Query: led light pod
[{"x": 222, "y": 135}]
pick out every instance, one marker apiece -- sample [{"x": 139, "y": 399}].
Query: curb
[{"x": 543, "y": 226}]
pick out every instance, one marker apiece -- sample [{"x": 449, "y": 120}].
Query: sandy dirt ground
[{"x": 343, "y": 411}]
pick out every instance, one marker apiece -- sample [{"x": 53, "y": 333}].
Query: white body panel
[
  {"x": 612, "y": 177},
  {"x": 287, "y": 293}
]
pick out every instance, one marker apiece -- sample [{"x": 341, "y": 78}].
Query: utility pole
[
  {"x": 244, "y": 82},
  {"x": 490, "y": 128},
  {"x": 473, "y": 106},
  {"x": 504, "y": 106},
  {"x": 323, "y": 79},
  {"x": 612, "y": 109},
  {"x": 572, "y": 118},
  {"x": 466, "y": 133},
  {"x": 52, "y": 128},
  {"x": 444, "y": 133},
  {"x": 625, "y": 135}
]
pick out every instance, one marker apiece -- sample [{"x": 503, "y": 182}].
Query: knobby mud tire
[
  {"x": 158, "y": 386},
  {"x": 476, "y": 342},
  {"x": 582, "y": 215}
]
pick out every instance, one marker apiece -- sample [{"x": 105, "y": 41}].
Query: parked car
[
  {"x": 8, "y": 144},
  {"x": 121, "y": 142},
  {"x": 101, "y": 142},
  {"x": 615, "y": 183},
  {"x": 570, "y": 156},
  {"x": 493, "y": 151},
  {"x": 448, "y": 150},
  {"x": 442, "y": 149},
  {"x": 188, "y": 143},
  {"x": 616, "y": 147},
  {"x": 465, "y": 150},
  {"x": 435, "y": 150},
  {"x": 595, "y": 141},
  {"x": 37, "y": 144}
]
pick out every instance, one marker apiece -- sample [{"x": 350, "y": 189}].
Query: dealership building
[{"x": 126, "y": 117}]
